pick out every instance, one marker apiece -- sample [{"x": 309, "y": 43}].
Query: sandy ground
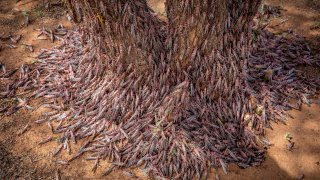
[{"x": 22, "y": 158}]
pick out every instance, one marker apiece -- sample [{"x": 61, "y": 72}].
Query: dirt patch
[
  {"x": 301, "y": 16},
  {"x": 20, "y": 166},
  {"x": 22, "y": 157}
]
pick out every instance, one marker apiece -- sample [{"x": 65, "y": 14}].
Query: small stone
[
  {"x": 300, "y": 177},
  {"x": 290, "y": 146},
  {"x": 69, "y": 17}
]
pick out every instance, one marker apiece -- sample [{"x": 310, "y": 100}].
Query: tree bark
[
  {"x": 211, "y": 36},
  {"x": 131, "y": 31}
]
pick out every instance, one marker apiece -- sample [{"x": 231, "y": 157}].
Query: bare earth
[{"x": 22, "y": 158}]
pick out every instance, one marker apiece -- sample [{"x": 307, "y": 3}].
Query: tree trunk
[
  {"x": 210, "y": 40},
  {"x": 132, "y": 33},
  {"x": 207, "y": 35}
]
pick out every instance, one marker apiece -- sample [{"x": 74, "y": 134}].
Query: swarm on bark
[{"x": 176, "y": 97}]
